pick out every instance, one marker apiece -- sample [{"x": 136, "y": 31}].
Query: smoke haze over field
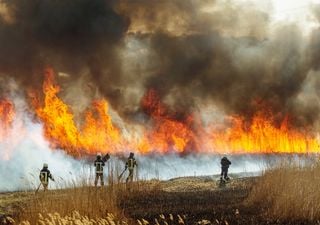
[{"x": 25, "y": 149}]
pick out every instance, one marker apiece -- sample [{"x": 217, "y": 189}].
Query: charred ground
[{"x": 200, "y": 201}]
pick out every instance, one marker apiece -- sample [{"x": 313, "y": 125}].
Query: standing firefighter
[
  {"x": 225, "y": 163},
  {"x": 130, "y": 164},
  {"x": 44, "y": 176},
  {"x": 99, "y": 163}
]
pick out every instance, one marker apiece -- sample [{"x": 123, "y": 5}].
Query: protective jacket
[
  {"x": 131, "y": 163},
  {"x": 225, "y": 163},
  {"x": 99, "y": 164},
  {"x": 45, "y": 175}
]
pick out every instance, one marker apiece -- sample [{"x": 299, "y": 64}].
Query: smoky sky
[
  {"x": 231, "y": 56},
  {"x": 67, "y": 35}
]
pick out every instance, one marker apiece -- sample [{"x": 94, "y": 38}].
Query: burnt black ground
[{"x": 218, "y": 206}]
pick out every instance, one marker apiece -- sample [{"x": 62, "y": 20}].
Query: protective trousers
[
  {"x": 224, "y": 172},
  {"x": 130, "y": 176},
  {"x": 99, "y": 175},
  {"x": 45, "y": 185}
]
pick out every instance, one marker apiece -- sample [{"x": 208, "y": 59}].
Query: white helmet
[
  {"x": 45, "y": 165},
  {"x": 99, "y": 154}
]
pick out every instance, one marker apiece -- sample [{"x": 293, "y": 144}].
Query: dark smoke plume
[
  {"x": 217, "y": 52},
  {"x": 71, "y": 36},
  {"x": 231, "y": 57}
]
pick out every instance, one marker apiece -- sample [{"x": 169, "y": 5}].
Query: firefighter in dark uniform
[
  {"x": 225, "y": 163},
  {"x": 130, "y": 165},
  {"x": 44, "y": 176},
  {"x": 99, "y": 163}
]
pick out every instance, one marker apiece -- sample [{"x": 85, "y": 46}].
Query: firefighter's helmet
[
  {"x": 45, "y": 165},
  {"x": 131, "y": 154}
]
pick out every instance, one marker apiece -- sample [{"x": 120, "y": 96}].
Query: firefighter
[
  {"x": 225, "y": 163},
  {"x": 130, "y": 164},
  {"x": 44, "y": 176},
  {"x": 99, "y": 163}
]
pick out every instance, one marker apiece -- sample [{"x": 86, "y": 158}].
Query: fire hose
[{"x": 122, "y": 173}]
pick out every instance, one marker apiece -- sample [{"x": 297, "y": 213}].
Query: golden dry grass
[
  {"x": 89, "y": 201},
  {"x": 289, "y": 191},
  {"x": 82, "y": 200},
  {"x": 75, "y": 218}
]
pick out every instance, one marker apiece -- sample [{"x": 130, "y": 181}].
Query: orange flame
[
  {"x": 166, "y": 131},
  {"x": 59, "y": 126},
  {"x": 7, "y": 114},
  {"x": 97, "y": 134},
  {"x": 262, "y": 136}
]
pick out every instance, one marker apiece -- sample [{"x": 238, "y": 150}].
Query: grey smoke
[
  {"x": 73, "y": 37},
  {"x": 191, "y": 52}
]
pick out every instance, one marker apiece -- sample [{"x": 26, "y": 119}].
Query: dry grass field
[
  {"x": 287, "y": 194},
  {"x": 289, "y": 191}
]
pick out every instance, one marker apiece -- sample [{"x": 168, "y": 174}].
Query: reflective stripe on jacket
[
  {"x": 131, "y": 163},
  {"x": 99, "y": 164}
]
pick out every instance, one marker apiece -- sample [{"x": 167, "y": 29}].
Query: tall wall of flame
[{"x": 166, "y": 131}]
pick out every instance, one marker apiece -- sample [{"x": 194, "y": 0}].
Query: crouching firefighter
[
  {"x": 99, "y": 163},
  {"x": 130, "y": 165},
  {"x": 44, "y": 176},
  {"x": 225, "y": 163}
]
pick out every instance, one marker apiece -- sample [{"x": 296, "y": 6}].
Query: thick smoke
[
  {"x": 75, "y": 37},
  {"x": 224, "y": 57},
  {"x": 229, "y": 54}
]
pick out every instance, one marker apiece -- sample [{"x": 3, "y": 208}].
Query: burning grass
[
  {"x": 289, "y": 191},
  {"x": 165, "y": 130}
]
